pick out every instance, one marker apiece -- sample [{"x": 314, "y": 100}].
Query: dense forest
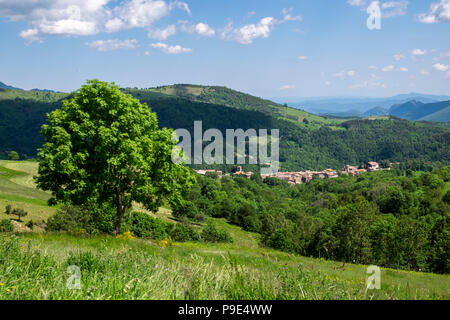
[
  {"x": 306, "y": 141},
  {"x": 396, "y": 219}
]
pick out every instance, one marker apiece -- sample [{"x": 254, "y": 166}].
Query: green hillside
[
  {"x": 231, "y": 98},
  {"x": 114, "y": 268},
  {"x": 442, "y": 115},
  {"x": 307, "y": 141}
]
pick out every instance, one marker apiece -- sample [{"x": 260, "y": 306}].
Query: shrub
[
  {"x": 212, "y": 234},
  {"x": 182, "y": 232},
  {"x": 187, "y": 209},
  {"x": 30, "y": 224},
  {"x": 6, "y": 226},
  {"x": 92, "y": 219},
  {"x": 68, "y": 218},
  {"x": 126, "y": 236},
  {"x": 144, "y": 226},
  {"x": 8, "y": 209}
]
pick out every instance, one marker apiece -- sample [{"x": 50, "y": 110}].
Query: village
[{"x": 301, "y": 177}]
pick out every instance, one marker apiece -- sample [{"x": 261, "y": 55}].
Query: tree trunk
[{"x": 120, "y": 212}]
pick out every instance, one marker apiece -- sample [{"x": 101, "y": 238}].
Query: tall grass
[{"x": 35, "y": 267}]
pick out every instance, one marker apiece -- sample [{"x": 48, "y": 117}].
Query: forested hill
[{"x": 306, "y": 141}]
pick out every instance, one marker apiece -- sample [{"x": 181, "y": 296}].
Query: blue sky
[{"x": 276, "y": 48}]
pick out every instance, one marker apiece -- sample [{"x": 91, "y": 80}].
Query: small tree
[
  {"x": 13, "y": 155},
  {"x": 105, "y": 146},
  {"x": 8, "y": 209},
  {"x": 19, "y": 213}
]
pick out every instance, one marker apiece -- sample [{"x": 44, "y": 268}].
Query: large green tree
[{"x": 104, "y": 146}]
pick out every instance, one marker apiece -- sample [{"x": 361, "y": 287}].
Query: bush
[
  {"x": 212, "y": 234},
  {"x": 182, "y": 232},
  {"x": 68, "y": 218},
  {"x": 6, "y": 226},
  {"x": 8, "y": 209},
  {"x": 144, "y": 226},
  {"x": 89, "y": 218},
  {"x": 187, "y": 209},
  {"x": 30, "y": 224}
]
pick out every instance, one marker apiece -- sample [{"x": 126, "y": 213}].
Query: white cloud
[
  {"x": 287, "y": 87},
  {"x": 30, "y": 35},
  {"x": 403, "y": 69},
  {"x": 389, "y": 9},
  {"x": 302, "y": 57},
  {"x": 440, "y": 67},
  {"x": 162, "y": 34},
  {"x": 357, "y": 3},
  {"x": 115, "y": 44},
  {"x": 201, "y": 29},
  {"x": 262, "y": 29},
  {"x": 399, "y": 56},
  {"x": 85, "y": 17},
  {"x": 373, "y": 67},
  {"x": 418, "y": 52},
  {"x": 177, "y": 49},
  {"x": 439, "y": 12},
  {"x": 388, "y": 68},
  {"x": 287, "y": 15},
  {"x": 424, "y": 72},
  {"x": 141, "y": 13},
  {"x": 351, "y": 73},
  {"x": 394, "y": 8},
  {"x": 248, "y": 33}
]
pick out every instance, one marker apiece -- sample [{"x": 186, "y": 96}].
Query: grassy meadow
[{"x": 33, "y": 265}]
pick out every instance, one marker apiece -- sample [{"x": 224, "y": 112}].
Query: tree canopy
[{"x": 104, "y": 146}]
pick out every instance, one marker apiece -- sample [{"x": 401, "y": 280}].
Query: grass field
[{"x": 33, "y": 265}]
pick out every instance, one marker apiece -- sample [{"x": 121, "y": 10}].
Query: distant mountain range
[
  {"x": 363, "y": 106},
  {"x": 416, "y": 110},
  {"x": 5, "y": 86}
]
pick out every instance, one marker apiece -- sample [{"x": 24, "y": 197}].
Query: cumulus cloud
[
  {"x": 115, "y": 44},
  {"x": 84, "y": 17},
  {"x": 403, "y": 69},
  {"x": 177, "y": 49},
  {"x": 440, "y": 67},
  {"x": 201, "y": 29},
  {"x": 287, "y": 87},
  {"x": 418, "y": 52},
  {"x": 162, "y": 34},
  {"x": 30, "y": 35},
  {"x": 439, "y": 12},
  {"x": 302, "y": 57},
  {"x": 262, "y": 29},
  {"x": 388, "y": 68},
  {"x": 248, "y": 33}
]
